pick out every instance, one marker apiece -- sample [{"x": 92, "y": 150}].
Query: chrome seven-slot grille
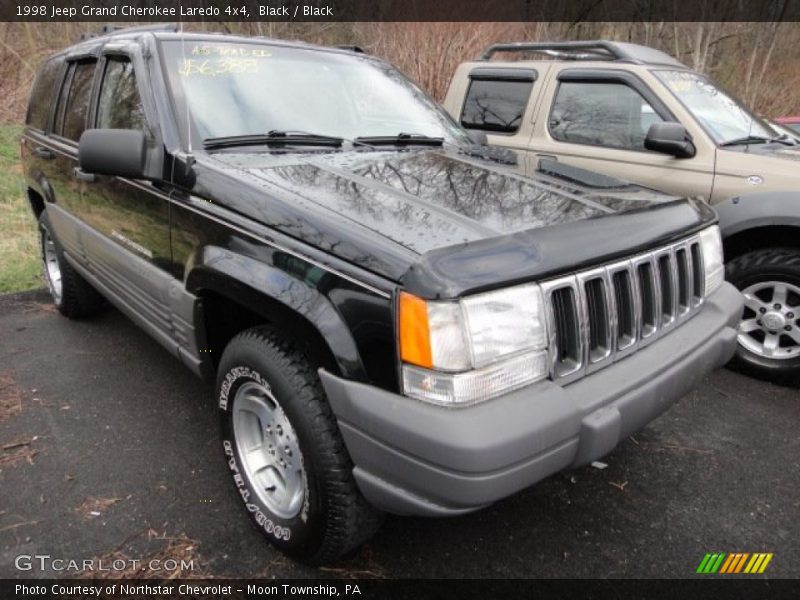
[{"x": 600, "y": 315}]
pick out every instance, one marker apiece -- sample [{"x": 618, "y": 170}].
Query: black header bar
[{"x": 572, "y": 11}]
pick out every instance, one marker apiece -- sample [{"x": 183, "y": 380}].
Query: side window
[
  {"x": 601, "y": 113},
  {"x": 496, "y": 105},
  {"x": 78, "y": 98},
  {"x": 120, "y": 106},
  {"x": 42, "y": 94},
  {"x": 58, "y": 126}
]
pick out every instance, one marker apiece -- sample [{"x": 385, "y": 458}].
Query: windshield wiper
[
  {"x": 786, "y": 139},
  {"x": 274, "y": 137},
  {"x": 756, "y": 139},
  {"x": 401, "y": 139}
]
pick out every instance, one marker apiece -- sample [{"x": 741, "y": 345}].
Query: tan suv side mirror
[
  {"x": 478, "y": 137},
  {"x": 670, "y": 138}
]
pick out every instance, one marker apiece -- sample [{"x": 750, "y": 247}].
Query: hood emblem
[{"x": 755, "y": 180}]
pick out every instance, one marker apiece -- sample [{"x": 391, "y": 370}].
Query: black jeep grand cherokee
[{"x": 397, "y": 320}]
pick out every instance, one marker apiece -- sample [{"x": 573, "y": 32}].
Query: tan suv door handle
[{"x": 82, "y": 175}]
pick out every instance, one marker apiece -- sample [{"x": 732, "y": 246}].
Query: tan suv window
[
  {"x": 602, "y": 114},
  {"x": 494, "y": 105}
]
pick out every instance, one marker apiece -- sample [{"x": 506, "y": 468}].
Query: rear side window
[
  {"x": 42, "y": 95},
  {"x": 120, "y": 106},
  {"x": 496, "y": 104},
  {"x": 77, "y": 101},
  {"x": 601, "y": 113}
]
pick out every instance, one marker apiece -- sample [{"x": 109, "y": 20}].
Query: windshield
[
  {"x": 249, "y": 88},
  {"x": 720, "y": 115}
]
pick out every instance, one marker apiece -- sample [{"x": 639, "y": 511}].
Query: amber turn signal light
[{"x": 415, "y": 339}]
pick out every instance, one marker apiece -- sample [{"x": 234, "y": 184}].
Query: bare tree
[{"x": 756, "y": 61}]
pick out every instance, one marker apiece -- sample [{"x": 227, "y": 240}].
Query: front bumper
[{"x": 413, "y": 458}]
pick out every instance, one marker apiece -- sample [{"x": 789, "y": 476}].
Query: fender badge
[{"x": 755, "y": 180}]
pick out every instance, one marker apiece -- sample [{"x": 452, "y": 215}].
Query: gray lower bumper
[{"x": 415, "y": 458}]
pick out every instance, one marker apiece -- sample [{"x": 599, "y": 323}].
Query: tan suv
[{"x": 638, "y": 114}]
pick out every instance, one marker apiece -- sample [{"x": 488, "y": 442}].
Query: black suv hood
[{"x": 432, "y": 205}]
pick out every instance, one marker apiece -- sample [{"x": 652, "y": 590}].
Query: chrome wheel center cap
[{"x": 773, "y": 321}]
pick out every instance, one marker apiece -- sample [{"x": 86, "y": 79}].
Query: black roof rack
[
  {"x": 357, "y": 49},
  {"x": 587, "y": 50},
  {"x": 119, "y": 29}
]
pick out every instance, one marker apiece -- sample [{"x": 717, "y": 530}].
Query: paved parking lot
[{"x": 108, "y": 449}]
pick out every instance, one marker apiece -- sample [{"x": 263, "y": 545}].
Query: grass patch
[{"x": 20, "y": 267}]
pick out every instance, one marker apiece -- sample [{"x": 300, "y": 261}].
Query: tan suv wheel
[{"x": 769, "y": 333}]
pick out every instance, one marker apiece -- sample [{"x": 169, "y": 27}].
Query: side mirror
[
  {"x": 670, "y": 138},
  {"x": 478, "y": 137},
  {"x": 119, "y": 152}
]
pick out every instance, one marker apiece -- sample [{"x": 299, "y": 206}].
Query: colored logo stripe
[
  {"x": 758, "y": 563},
  {"x": 703, "y": 564},
  {"x": 722, "y": 562},
  {"x": 711, "y": 562},
  {"x": 735, "y": 562}
]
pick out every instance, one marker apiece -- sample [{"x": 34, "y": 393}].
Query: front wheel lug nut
[
  {"x": 788, "y": 328},
  {"x": 762, "y": 310},
  {"x": 790, "y": 315},
  {"x": 776, "y": 306}
]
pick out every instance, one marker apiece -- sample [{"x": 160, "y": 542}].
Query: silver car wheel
[
  {"x": 52, "y": 270},
  {"x": 269, "y": 451},
  {"x": 771, "y": 324}
]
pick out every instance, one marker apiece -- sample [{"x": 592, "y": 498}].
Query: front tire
[
  {"x": 285, "y": 452},
  {"x": 769, "y": 333}
]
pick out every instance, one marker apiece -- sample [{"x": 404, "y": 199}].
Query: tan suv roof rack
[
  {"x": 119, "y": 29},
  {"x": 587, "y": 50}
]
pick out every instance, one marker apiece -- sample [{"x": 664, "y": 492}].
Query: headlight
[
  {"x": 505, "y": 322},
  {"x": 460, "y": 352},
  {"x": 713, "y": 265}
]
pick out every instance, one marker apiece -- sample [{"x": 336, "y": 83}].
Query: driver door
[{"x": 129, "y": 238}]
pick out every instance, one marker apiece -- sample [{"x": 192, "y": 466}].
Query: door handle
[
  {"x": 547, "y": 157},
  {"x": 82, "y": 175},
  {"x": 42, "y": 152}
]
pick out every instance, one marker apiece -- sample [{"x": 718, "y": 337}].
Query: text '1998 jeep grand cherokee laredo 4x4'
[
  {"x": 636, "y": 113},
  {"x": 396, "y": 320}
]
